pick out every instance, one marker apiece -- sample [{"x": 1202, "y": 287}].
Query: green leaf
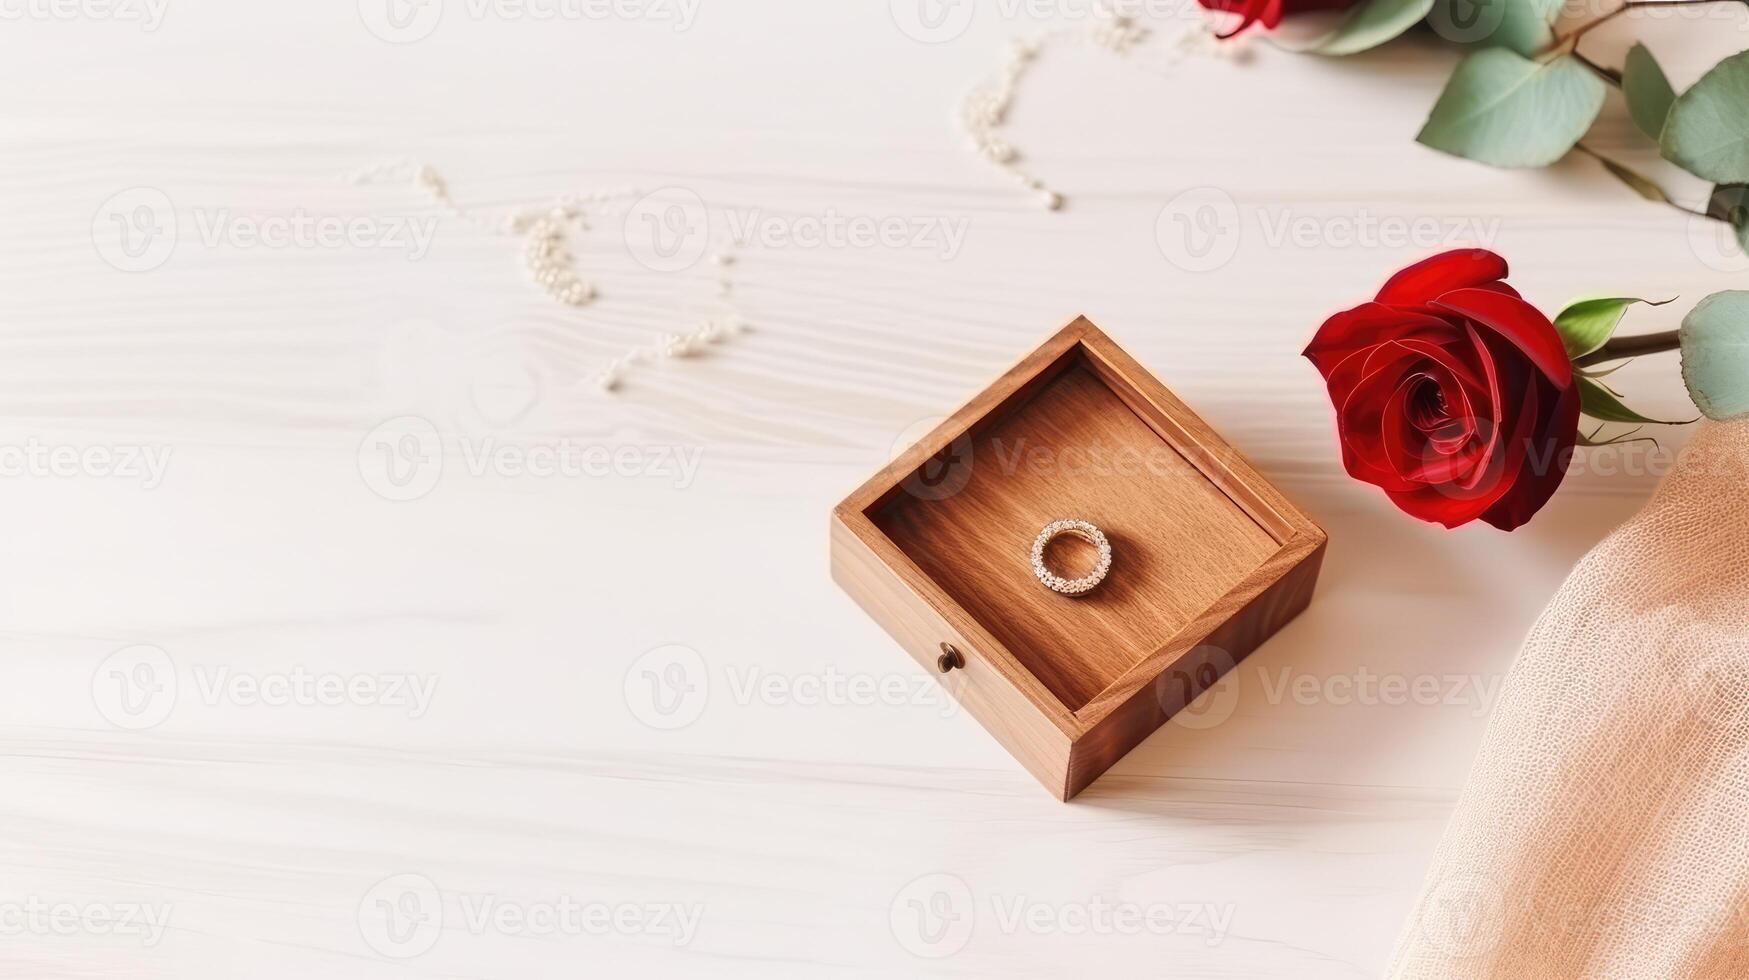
[
  {"x": 1525, "y": 26},
  {"x": 1648, "y": 91},
  {"x": 1707, "y": 133},
  {"x": 1730, "y": 204},
  {"x": 1587, "y": 325},
  {"x": 1596, "y": 402},
  {"x": 1715, "y": 355},
  {"x": 1372, "y": 24},
  {"x": 1503, "y": 109}
]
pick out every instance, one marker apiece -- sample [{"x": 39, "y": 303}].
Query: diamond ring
[{"x": 1071, "y": 586}]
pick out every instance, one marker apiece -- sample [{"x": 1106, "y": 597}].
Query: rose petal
[
  {"x": 1425, "y": 281},
  {"x": 1370, "y": 325},
  {"x": 1522, "y": 324},
  {"x": 1549, "y": 453}
]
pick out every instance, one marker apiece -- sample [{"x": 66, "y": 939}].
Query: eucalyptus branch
[
  {"x": 1611, "y": 75},
  {"x": 1641, "y": 184},
  {"x": 1620, "y": 348},
  {"x": 1570, "y": 40}
]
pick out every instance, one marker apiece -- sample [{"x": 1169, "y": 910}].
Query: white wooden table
[{"x": 264, "y": 717}]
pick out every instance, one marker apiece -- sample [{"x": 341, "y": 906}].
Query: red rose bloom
[
  {"x": 1270, "y": 12},
  {"x": 1452, "y": 394}
]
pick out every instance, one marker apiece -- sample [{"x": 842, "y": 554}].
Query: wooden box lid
[{"x": 1209, "y": 559}]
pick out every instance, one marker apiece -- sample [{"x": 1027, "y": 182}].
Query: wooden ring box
[{"x": 1209, "y": 559}]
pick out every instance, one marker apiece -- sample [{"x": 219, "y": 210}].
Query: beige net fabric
[{"x": 1604, "y": 830}]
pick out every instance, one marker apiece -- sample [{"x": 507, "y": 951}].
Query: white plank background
[{"x": 1282, "y": 835}]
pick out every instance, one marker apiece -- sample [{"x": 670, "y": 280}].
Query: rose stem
[{"x": 1620, "y": 348}]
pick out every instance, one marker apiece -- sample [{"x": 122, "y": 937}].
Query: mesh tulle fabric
[{"x": 1604, "y": 829}]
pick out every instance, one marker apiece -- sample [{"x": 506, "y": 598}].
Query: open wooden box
[{"x": 1209, "y": 560}]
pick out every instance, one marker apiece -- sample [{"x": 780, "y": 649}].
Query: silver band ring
[{"x": 1071, "y": 586}]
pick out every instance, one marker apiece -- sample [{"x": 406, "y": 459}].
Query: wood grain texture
[
  {"x": 1079, "y": 430},
  {"x": 800, "y": 803}
]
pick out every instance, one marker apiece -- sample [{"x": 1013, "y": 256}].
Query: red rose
[
  {"x": 1452, "y": 394},
  {"x": 1270, "y": 12}
]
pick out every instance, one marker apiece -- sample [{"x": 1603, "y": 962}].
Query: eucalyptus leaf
[
  {"x": 1372, "y": 24},
  {"x": 1648, "y": 91},
  {"x": 1707, "y": 132},
  {"x": 1715, "y": 355},
  {"x": 1587, "y": 325},
  {"x": 1596, "y": 402},
  {"x": 1503, "y": 109}
]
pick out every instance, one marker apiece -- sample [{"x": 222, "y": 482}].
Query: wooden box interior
[{"x": 1078, "y": 441}]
